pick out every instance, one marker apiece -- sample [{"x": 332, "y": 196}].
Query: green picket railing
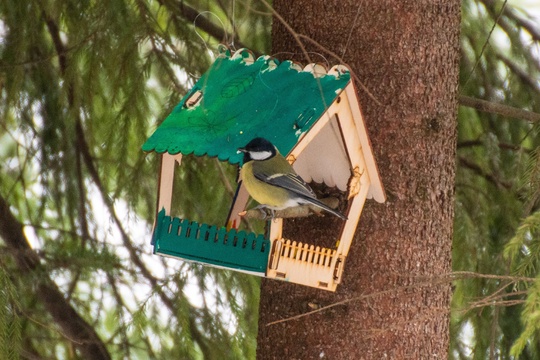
[{"x": 209, "y": 244}]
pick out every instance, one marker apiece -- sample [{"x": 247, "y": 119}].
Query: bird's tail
[{"x": 323, "y": 206}]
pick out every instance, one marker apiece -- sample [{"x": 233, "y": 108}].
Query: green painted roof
[{"x": 244, "y": 98}]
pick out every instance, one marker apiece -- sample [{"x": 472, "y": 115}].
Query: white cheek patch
[{"x": 260, "y": 155}]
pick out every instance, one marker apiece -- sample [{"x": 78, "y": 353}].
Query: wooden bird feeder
[{"x": 312, "y": 116}]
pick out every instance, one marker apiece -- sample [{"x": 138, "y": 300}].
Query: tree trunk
[{"x": 406, "y": 53}]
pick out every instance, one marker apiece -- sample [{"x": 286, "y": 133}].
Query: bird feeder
[{"x": 312, "y": 116}]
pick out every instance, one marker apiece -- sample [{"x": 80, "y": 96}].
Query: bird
[{"x": 272, "y": 181}]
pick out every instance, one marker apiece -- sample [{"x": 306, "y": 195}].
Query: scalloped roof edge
[{"x": 248, "y": 57}]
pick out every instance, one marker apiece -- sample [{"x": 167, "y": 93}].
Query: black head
[{"x": 258, "y": 149}]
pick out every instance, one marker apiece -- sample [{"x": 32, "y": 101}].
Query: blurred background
[{"x": 84, "y": 83}]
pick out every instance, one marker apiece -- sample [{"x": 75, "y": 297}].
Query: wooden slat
[
  {"x": 376, "y": 190},
  {"x": 166, "y": 180}
]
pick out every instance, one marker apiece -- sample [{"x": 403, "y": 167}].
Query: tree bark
[{"x": 406, "y": 52}]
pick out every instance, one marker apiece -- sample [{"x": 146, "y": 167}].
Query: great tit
[{"x": 271, "y": 180}]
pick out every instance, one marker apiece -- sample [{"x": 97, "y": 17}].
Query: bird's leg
[{"x": 262, "y": 209}]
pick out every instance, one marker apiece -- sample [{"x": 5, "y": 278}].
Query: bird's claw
[{"x": 264, "y": 211}]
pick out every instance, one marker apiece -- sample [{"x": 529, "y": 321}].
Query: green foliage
[
  {"x": 497, "y": 182},
  {"x": 82, "y": 85},
  {"x": 531, "y": 321},
  {"x": 10, "y": 331},
  {"x": 523, "y": 250}
]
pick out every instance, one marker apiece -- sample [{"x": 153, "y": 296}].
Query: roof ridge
[{"x": 248, "y": 57}]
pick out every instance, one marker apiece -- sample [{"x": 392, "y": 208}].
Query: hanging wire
[
  {"x": 200, "y": 36},
  {"x": 233, "y": 30},
  {"x": 486, "y": 43},
  {"x": 351, "y": 31}
]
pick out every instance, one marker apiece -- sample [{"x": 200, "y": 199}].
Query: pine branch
[
  {"x": 74, "y": 327},
  {"x": 499, "y": 109},
  {"x": 120, "y": 304},
  {"x": 128, "y": 243},
  {"x": 28, "y": 351},
  {"x": 505, "y": 146},
  {"x": 83, "y": 150},
  {"x": 486, "y": 43},
  {"x": 523, "y": 75},
  {"x": 513, "y": 27},
  {"x": 527, "y": 24},
  {"x": 61, "y": 51},
  {"x": 192, "y": 15},
  {"x": 489, "y": 177}
]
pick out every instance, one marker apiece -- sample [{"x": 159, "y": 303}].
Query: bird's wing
[
  {"x": 291, "y": 182},
  {"x": 295, "y": 184}
]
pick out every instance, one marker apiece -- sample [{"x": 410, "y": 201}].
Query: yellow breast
[{"x": 264, "y": 194}]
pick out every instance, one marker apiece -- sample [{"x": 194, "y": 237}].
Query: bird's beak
[{"x": 240, "y": 150}]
